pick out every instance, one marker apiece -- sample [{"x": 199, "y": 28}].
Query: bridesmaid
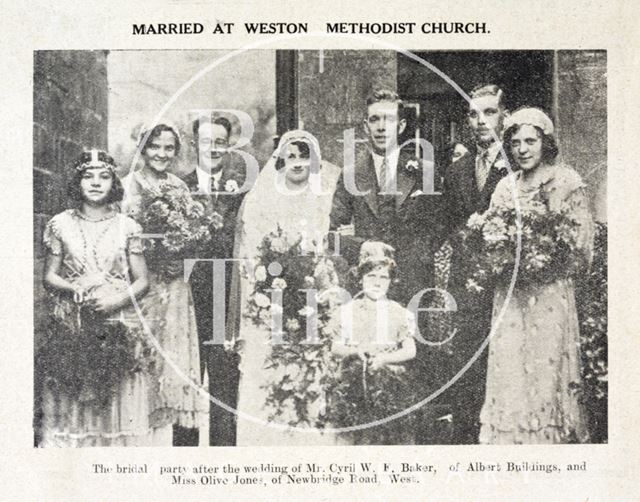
[
  {"x": 95, "y": 258},
  {"x": 534, "y": 353},
  {"x": 179, "y": 405}
]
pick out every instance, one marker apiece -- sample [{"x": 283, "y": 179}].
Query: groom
[
  {"x": 220, "y": 174},
  {"x": 469, "y": 184},
  {"x": 390, "y": 204}
]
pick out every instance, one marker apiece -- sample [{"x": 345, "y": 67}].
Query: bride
[{"x": 293, "y": 192}]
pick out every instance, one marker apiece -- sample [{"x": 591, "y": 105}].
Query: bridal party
[{"x": 412, "y": 294}]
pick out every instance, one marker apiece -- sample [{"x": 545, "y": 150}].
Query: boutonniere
[
  {"x": 231, "y": 186},
  {"x": 412, "y": 166},
  {"x": 500, "y": 165}
]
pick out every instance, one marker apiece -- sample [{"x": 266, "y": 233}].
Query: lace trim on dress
[{"x": 51, "y": 237}]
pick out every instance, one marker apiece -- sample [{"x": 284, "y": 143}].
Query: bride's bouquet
[
  {"x": 184, "y": 223},
  {"x": 305, "y": 282},
  {"x": 548, "y": 246}
]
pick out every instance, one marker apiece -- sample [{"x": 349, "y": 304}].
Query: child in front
[{"x": 373, "y": 336}]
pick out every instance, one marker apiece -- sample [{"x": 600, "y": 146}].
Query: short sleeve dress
[
  {"x": 94, "y": 252},
  {"x": 375, "y": 327}
]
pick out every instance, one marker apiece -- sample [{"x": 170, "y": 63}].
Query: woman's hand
[
  {"x": 89, "y": 282},
  {"x": 104, "y": 303},
  {"x": 378, "y": 361}
]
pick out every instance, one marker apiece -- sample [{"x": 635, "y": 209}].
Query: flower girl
[{"x": 373, "y": 336}]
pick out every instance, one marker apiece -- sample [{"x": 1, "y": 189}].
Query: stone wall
[
  {"x": 332, "y": 91},
  {"x": 581, "y": 115},
  {"x": 69, "y": 114}
]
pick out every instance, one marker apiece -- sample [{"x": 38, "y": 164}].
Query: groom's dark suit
[
  {"x": 409, "y": 221},
  {"x": 221, "y": 366},
  {"x": 473, "y": 317}
]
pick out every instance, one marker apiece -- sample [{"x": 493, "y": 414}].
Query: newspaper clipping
[{"x": 355, "y": 252}]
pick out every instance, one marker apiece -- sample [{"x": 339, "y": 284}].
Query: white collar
[
  {"x": 492, "y": 152},
  {"x": 205, "y": 178}
]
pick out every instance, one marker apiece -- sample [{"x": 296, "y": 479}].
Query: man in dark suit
[
  {"x": 391, "y": 203},
  {"x": 220, "y": 174},
  {"x": 469, "y": 184},
  {"x": 388, "y": 202},
  {"x": 471, "y": 180}
]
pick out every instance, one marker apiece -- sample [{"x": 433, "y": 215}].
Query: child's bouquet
[
  {"x": 183, "y": 224},
  {"x": 87, "y": 354},
  {"x": 360, "y": 395},
  {"x": 541, "y": 243},
  {"x": 305, "y": 284}
]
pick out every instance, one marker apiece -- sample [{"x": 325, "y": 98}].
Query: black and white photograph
[{"x": 320, "y": 247}]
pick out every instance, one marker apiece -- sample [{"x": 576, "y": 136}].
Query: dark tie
[
  {"x": 482, "y": 170},
  {"x": 386, "y": 200},
  {"x": 215, "y": 187}
]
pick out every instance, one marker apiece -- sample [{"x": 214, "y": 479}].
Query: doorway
[{"x": 439, "y": 112}]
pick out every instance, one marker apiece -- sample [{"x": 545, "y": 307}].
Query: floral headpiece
[
  {"x": 376, "y": 252},
  {"x": 530, "y": 116},
  {"x": 95, "y": 159}
]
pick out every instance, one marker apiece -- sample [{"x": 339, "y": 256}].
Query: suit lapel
[
  {"x": 468, "y": 181},
  {"x": 191, "y": 180},
  {"x": 221, "y": 199},
  {"x": 406, "y": 181},
  {"x": 495, "y": 175},
  {"x": 366, "y": 181}
]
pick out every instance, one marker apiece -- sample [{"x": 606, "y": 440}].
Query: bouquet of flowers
[
  {"x": 88, "y": 354},
  {"x": 308, "y": 282},
  {"x": 548, "y": 246},
  {"x": 184, "y": 221},
  {"x": 359, "y": 396}
]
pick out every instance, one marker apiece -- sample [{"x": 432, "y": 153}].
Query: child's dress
[
  {"x": 362, "y": 395},
  {"x": 95, "y": 251}
]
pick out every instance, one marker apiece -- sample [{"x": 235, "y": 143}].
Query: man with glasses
[{"x": 219, "y": 174}]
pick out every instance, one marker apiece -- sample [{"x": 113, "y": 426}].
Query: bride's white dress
[{"x": 303, "y": 214}]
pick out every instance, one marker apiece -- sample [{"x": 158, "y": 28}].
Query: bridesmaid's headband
[{"x": 98, "y": 159}]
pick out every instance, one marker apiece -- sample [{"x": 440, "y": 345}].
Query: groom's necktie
[
  {"x": 482, "y": 170},
  {"x": 386, "y": 179},
  {"x": 386, "y": 201},
  {"x": 215, "y": 187}
]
